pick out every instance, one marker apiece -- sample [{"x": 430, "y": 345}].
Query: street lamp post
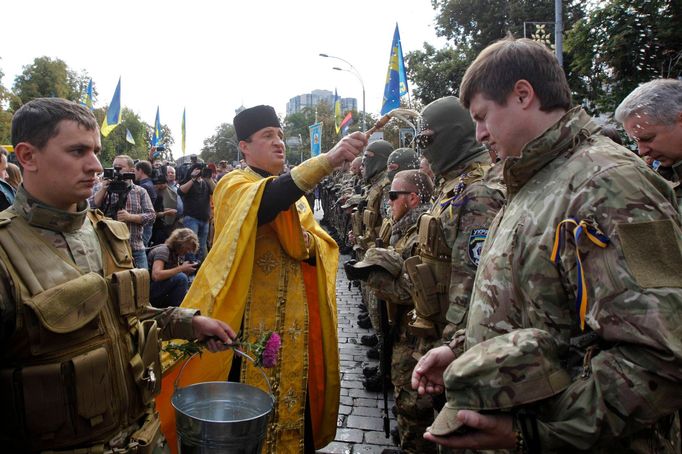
[{"x": 356, "y": 73}]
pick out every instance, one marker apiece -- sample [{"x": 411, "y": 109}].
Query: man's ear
[
  {"x": 244, "y": 147},
  {"x": 523, "y": 93},
  {"x": 26, "y": 155}
]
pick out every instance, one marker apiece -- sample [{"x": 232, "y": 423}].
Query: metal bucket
[{"x": 221, "y": 417}]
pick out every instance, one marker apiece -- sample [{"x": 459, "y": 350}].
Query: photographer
[
  {"x": 168, "y": 272},
  {"x": 143, "y": 177},
  {"x": 196, "y": 198},
  {"x": 119, "y": 198}
]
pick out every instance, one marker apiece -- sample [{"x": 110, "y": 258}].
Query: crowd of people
[{"x": 519, "y": 268}]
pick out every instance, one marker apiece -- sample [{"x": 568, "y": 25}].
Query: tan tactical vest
[
  {"x": 431, "y": 267},
  {"x": 371, "y": 216},
  {"x": 80, "y": 366}
]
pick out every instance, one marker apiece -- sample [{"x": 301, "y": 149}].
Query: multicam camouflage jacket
[
  {"x": 595, "y": 208},
  {"x": 465, "y": 205},
  {"x": 403, "y": 240}
]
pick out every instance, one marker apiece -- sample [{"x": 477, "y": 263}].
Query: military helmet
[
  {"x": 376, "y": 163},
  {"x": 401, "y": 159},
  {"x": 386, "y": 259},
  {"x": 353, "y": 200},
  {"x": 514, "y": 369}
]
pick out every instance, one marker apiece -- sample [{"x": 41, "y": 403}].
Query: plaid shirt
[{"x": 138, "y": 202}]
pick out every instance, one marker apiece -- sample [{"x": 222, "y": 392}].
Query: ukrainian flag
[
  {"x": 113, "y": 117},
  {"x": 337, "y": 112},
  {"x": 87, "y": 97},
  {"x": 396, "y": 79},
  {"x": 156, "y": 137}
]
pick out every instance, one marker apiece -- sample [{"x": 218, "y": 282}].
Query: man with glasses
[{"x": 409, "y": 198}]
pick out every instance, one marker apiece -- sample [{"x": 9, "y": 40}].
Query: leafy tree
[
  {"x": 470, "y": 25},
  {"x": 5, "y": 115},
  {"x": 115, "y": 143},
  {"x": 221, "y": 146},
  {"x": 621, "y": 44},
  {"x": 46, "y": 77},
  {"x": 436, "y": 71}
]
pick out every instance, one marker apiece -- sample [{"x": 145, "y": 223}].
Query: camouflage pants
[
  {"x": 374, "y": 310},
  {"x": 415, "y": 413}
]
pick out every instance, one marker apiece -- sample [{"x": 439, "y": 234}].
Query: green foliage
[
  {"x": 5, "y": 115},
  {"x": 437, "y": 72},
  {"x": 297, "y": 124},
  {"x": 46, "y": 77},
  {"x": 221, "y": 146},
  {"x": 471, "y": 25},
  {"x": 621, "y": 44},
  {"x": 115, "y": 143}
]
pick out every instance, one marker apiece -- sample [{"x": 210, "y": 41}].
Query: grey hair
[{"x": 660, "y": 100}]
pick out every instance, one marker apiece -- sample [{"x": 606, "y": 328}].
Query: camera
[
  {"x": 158, "y": 175},
  {"x": 117, "y": 178}
]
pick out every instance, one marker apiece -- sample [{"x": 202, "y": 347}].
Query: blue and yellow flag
[
  {"x": 87, "y": 97},
  {"x": 129, "y": 137},
  {"x": 113, "y": 117},
  {"x": 396, "y": 79},
  {"x": 183, "y": 132},
  {"x": 337, "y": 112},
  {"x": 315, "y": 139},
  {"x": 156, "y": 137}
]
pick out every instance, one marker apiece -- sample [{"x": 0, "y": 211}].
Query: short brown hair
[
  {"x": 418, "y": 181},
  {"x": 500, "y": 65},
  {"x": 37, "y": 121}
]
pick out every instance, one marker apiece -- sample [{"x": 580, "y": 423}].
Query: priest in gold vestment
[{"x": 273, "y": 268}]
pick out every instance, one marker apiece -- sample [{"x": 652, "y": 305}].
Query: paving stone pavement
[{"x": 360, "y": 424}]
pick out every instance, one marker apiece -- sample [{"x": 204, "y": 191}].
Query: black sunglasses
[{"x": 393, "y": 195}]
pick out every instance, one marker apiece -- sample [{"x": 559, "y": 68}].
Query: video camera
[
  {"x": 117, "y": 178},
  {"x": 206, "y": 172},
  {"x": 158, "y": 175}
]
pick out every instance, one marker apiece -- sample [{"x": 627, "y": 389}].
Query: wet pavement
[{"x": 360, "y": 424}]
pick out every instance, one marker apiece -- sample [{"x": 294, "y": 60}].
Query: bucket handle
[{"x": 240, "y": 353}]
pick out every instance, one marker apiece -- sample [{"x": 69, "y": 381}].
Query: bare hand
[
  {"x": 490, "y": 432},
  {"x": 123, "y": 216},
  {"x": 347, "y": 149},
  {"x": 427, "y": 376},
  {"x": 196, "y": 173},
  {"x": 170, "y": 212},
  {"x": 216, "y": 332},
  {"x": 188, "y": 267}
]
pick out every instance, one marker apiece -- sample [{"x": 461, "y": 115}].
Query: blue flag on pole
[
  {"x": 87, "y": 97},
  {"x": 113, "y": 117},
  {"x": 396, "y": 79},
  {"x": 315, "y": 139},
  {"x": 156, "y": 137}
]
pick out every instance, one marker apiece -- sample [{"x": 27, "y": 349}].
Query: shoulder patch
[{"x": 476, "y": 239}]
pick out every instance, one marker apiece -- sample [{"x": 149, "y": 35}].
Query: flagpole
[{"x": 356, "y": 73}]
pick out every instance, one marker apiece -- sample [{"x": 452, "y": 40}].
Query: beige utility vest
[
  {"x": 80, "y": 365},
  {"x": 430, "y": 269}
]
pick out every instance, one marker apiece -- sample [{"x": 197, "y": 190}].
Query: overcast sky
[{"x": 213, "y": 56}]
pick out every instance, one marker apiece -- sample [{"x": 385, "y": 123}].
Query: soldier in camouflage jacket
[{"x": 588, "y": 249}]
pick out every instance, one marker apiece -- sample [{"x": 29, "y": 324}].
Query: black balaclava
[
  {"x": 454, "y": 134},
  {"x": 377, "y": 163},
  {"x": 405, "y": 158}
]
